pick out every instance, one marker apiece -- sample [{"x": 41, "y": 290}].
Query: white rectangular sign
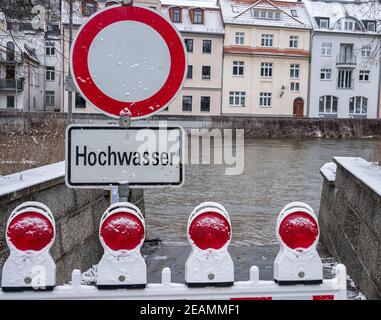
[{"x": 112, "y": 155}]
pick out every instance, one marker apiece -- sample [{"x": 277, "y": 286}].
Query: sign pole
[{"x": 123, "y": 188}]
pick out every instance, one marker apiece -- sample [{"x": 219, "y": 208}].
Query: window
[
  {"x": 266, "y": 69},
  {"x": 365, "y": 51},
  {"x": 265, "y": 99},
  {"x": 239, "y": 37},
  {"x": 10, "y": 101},
  {"x": 344, "y": 80},
  {"x": 88, "y": 7},
  {"x": 189, "y": 44},
  {"x": 206, "y": 72},
  {"x": 294, "y": 71},
  {"x": 295, "y": 87},
  {"x": 176, "y": 15},
  {"x": 323, "y": 23},
  {"x": 50, "y": 98},
  {"x": 326, "y": 49},
  {"x": 235, "y": 9},
  {"x": 370, "y": 25},
  {"x": 328, "y": 104},
  {"x": 237, "y": 98},
  {"x": 10, "y": 56},
  {"x": 206, "y": 46},
  {"x": 238, "y": 67},
  {"x": 294, "y": 13},
  {"x": 294, "y": 41},
  {"x": 266, "y": 14},
  {"x": 50, "y": 75},
  {"x": 50, "y": 49},
  {"x": 205, "y": 104},
  {"x": 267, "y": 40},
  {"x": 198, "y": 16},
  {"x": 358, "y": 105},
  {"x": 348, "y": 25},
  {"x": 364, "y": 75},
  {"x": 80, "y": 103},
  {"x": 190, "y": 72},
  {"x": 325, "y": 74},
  {"x": 187, "y": 103}
]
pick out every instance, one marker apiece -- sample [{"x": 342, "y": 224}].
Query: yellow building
[{"x": 266, "y": 57}]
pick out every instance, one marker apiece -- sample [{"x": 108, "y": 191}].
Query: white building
[
  {"x": 30, "y": 63},
  {"x": 345, "y": 68}
]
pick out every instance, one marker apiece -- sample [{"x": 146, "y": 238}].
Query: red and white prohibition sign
[{"x": 128, "y": 58}]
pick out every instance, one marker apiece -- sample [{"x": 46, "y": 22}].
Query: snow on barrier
[{"x": 209, "y": 268}]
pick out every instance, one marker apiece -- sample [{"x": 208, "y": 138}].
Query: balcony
[
  {"x": 343, "y": 61},
  {"x": 10, "y": 84},
  {"x": 10, "y": 58}
]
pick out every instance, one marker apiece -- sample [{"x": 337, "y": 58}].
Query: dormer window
[
  {"x": 175, "y": 14},
  {"x": 197, "y": 16},
  {"x": 349, "y": 25},
  {"x": 294, "y": 13},
  {"x": 234, "y": 9},
  {"x": 88, "y": 7},
  {"x": 266, "y": 14},
  {"x": 370, "y": 25},
  {"x": 323, "y": 23}
]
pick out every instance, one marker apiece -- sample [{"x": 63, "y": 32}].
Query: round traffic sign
[{"x": 128, "y": 59}]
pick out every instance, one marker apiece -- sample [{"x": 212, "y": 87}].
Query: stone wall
[
  {"x": 254, "y": 126},
  {"x": 77, "y": 213},
  {"x": 350, "y": 219}
]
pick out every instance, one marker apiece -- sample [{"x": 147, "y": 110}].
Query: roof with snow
[
  {"x": 336, "y": 10},
  {"x": 212, "y": 15},
  {"x": 293, "y": 14}
]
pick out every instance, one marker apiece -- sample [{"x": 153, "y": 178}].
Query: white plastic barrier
[
  {"x": 209, "y": 232},
  {"x": 253, "y": 289},
  {"x": 122, "y": 233},
  {"x": 30, "y": 233}
]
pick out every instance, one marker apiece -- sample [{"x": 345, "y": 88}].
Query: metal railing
[
  {"x": 10, "y": 84},
  {"x": 346, "y": 60}
]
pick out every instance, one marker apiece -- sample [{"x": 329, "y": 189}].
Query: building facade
[
  {"x": 202, "y": 30},
  {"x": 30, "y": 60},
  {"x": 345, "y": 68},
  {"x": 201, "y": 27},
  {"x": 266, "y": 58}
]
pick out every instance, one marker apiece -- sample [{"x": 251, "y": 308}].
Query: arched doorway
[{"x": 298, "y": 109}]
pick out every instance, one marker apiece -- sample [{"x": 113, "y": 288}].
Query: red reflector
[
  {"x": 122, "y": 231},
  {"x": 30, "y": 231},
  {"x": 252, "y": 298},
  {"x": 298, "y": 230},
  {"x": 324, "y": 297},
  {"x": 210, "y": 230}
]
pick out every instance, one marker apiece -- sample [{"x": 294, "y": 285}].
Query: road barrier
[{"x": 29, "y": 272}]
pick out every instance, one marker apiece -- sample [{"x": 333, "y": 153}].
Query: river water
[{"x": 276, "y": 172}]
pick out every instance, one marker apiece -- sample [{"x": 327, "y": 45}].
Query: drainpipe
[
  {"x": 379, "y": 86},
  {"x": 15, "y": 81},
  {"x": 309, "y": 74}
]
